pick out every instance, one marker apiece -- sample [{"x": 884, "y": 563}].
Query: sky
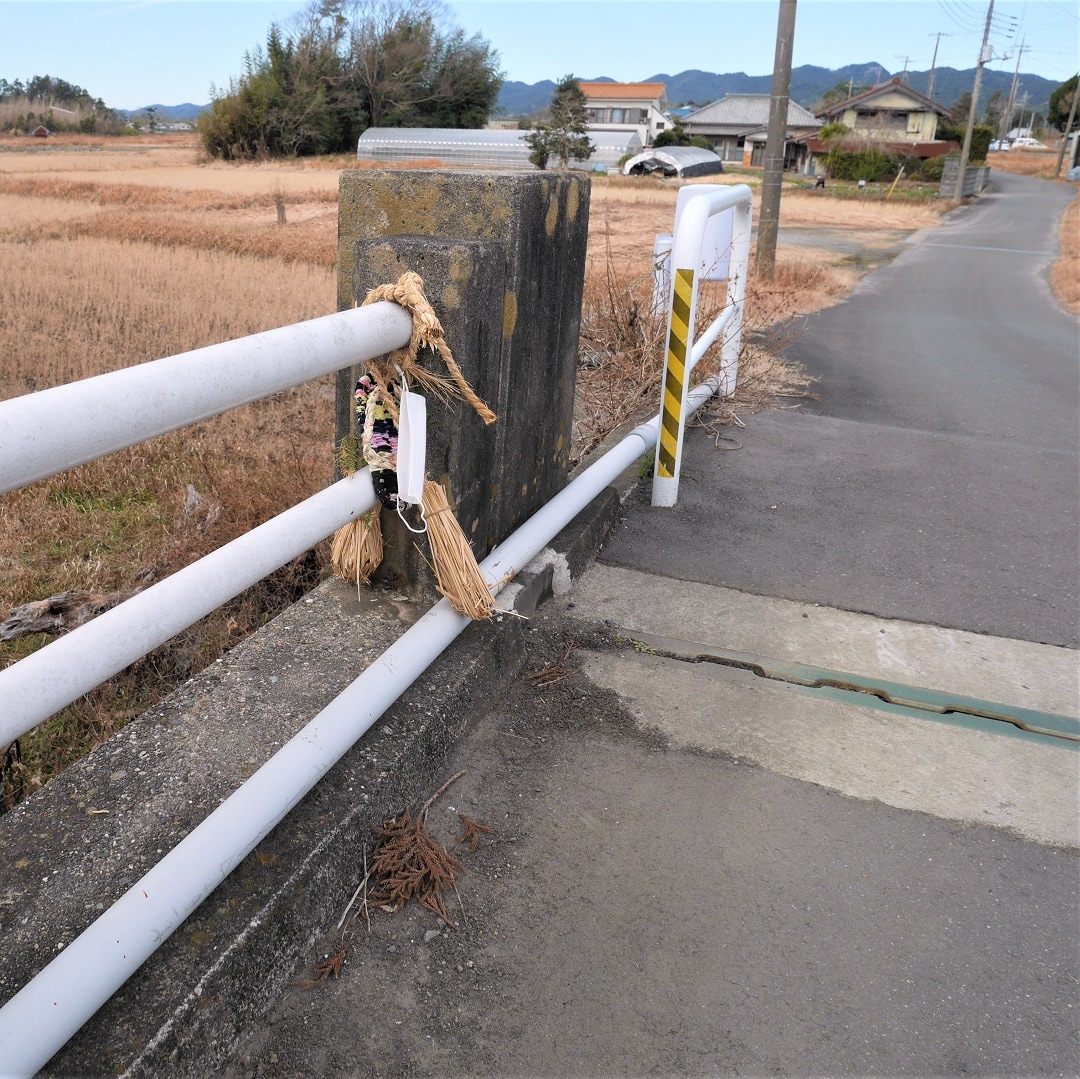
[{"x": 133, "y": 53}]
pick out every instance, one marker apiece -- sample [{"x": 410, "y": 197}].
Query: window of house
[
  {"x": 913, "y": 123},
  {"x": 620, "y": 116}
]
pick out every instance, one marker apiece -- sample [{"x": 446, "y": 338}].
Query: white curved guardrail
[{"x": 684, "y": 350}]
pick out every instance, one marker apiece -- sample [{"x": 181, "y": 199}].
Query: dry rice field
[{"x": 115, "y": 254}]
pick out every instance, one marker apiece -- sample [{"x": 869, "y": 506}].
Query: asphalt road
[{"x": 935, "y": 479}]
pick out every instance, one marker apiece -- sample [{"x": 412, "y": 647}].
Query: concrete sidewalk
[{"x": 697, "y": 871}]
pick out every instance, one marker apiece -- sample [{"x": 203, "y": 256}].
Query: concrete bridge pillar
[{"x": 502, "y": 255}]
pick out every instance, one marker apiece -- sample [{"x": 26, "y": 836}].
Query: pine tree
[{"x": 564, "y": 136}]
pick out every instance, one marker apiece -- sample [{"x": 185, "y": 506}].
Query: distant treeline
[
  {"x": 345, "y": 65},
  {"x": 57, "y": 104}
]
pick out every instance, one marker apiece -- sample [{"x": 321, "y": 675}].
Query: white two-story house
[{"x": 627, "y": 108}]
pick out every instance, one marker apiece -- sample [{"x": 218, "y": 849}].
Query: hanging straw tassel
[
  {"x": 459, "y": 577},
  {"x": 357, "y": 549}
]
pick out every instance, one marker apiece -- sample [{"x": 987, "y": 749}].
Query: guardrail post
[{"x": 502, "y": 255}]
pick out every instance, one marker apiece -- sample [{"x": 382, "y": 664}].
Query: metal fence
[{"x": 37, "y": 439}]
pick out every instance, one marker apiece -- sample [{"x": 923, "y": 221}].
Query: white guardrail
[
  {"x": 123, "y": 408},
  {"x": 138, "y": 403},
  {"x": 689, "y": 264}
]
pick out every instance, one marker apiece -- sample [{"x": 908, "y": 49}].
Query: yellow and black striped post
[{"x": 675, "y": 377}]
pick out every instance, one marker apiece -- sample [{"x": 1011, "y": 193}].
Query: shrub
[
  {"x": 931, "y": 169},
  {"x": 869, "y": 165}
]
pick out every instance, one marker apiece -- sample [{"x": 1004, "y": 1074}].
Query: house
[
  {"x": 627, "y": 108},
  {"x": 737, "y": 127},
  {"x": 889, "y": 112},
  {"x": 891, "y": 117}
]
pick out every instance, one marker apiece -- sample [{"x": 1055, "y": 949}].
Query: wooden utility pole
[
  {"x": 769, "y": 218},
  {"x": 933, "y": 63},
  {"x": 1006, "y": 119},
  {"x": 965, "y": 153}
]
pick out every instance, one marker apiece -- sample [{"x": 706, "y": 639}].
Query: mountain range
[{"x": 808, "y": 84}]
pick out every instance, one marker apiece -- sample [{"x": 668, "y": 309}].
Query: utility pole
[
  {"x": 965, "y": 153},
  {"x": 1006, "y": 119},
  {"x": 1068, "y": 128},
  {"x": 769, "y": 217},
  {"x": 933, "y": 63}
]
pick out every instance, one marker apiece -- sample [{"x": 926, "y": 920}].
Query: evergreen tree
[
  {"x": 345, "y": 65},
  {"x": 1060, "y": 102},
  {"x": 564, "y": 135}
]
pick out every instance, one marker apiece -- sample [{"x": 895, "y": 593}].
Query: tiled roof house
[{"x": 737, "y": 125}]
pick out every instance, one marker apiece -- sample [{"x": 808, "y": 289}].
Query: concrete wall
[{"x": 976, "y": 178}]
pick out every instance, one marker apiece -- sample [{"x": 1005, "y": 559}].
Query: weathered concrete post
[{"x": 502, "y": 255}]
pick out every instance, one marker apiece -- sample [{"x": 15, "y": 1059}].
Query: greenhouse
[
  {"x": 498, "y": 149},
  {"x": 681, "y": 161}
]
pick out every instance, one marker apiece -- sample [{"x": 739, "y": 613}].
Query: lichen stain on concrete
[
  {"x": 409, "y": 208},
  {"x": 509, "y": 315},
  {"x": 552, "y": 218},
  {"x": 461, "y": 264},
  {"x": 450, "y": 298},
  {"x": 573, "y": 200}
]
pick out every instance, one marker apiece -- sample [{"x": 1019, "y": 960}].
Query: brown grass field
[{"x": 119, "y": 252}]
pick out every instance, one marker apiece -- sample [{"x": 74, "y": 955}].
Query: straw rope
[
  {"x": 427, "y": 332},
  {"x": 357, "y": 547}
]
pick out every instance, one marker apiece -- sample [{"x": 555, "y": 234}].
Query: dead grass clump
[
  {"x": 622, "y": 343},
  {"x": 1026, "y": 163},
  {"x": 1065, "y": 273}
]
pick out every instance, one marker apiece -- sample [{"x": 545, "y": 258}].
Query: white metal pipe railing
[
  {"x": 39, "y": 435},
  {"x": 67, "y": 992},
  {"x": 62, "y": 671},
  {"x": 682, "y": 348}
]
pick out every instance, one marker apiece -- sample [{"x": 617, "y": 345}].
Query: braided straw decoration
[
  {"x": 427, "y": 331},
  {"x": 459, "y": 577}
]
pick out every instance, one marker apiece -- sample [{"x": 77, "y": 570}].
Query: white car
[
  {"x": 999, "y": 145},
  {"x": 1028, "y": 144}
]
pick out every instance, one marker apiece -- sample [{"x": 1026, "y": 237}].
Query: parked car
[
  {"x": 1028, "y": 144},
  {"x": 999, "y": 145}
]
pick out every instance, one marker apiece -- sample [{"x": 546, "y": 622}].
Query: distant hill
[
  {"x": 169, "y": 113},
  {"x": 808, "y": 84}
]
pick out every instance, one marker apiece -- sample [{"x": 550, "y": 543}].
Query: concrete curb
[{"x": 77, "y": 845}]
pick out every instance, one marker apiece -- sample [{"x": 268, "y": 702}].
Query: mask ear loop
[{"x": 416, "y": 531}]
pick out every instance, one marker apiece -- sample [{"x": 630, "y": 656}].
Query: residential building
[
  {"x": 627, "y": 108},
  {"x": 737, "y": 127},
  {"x": 890, "y": 111}
]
